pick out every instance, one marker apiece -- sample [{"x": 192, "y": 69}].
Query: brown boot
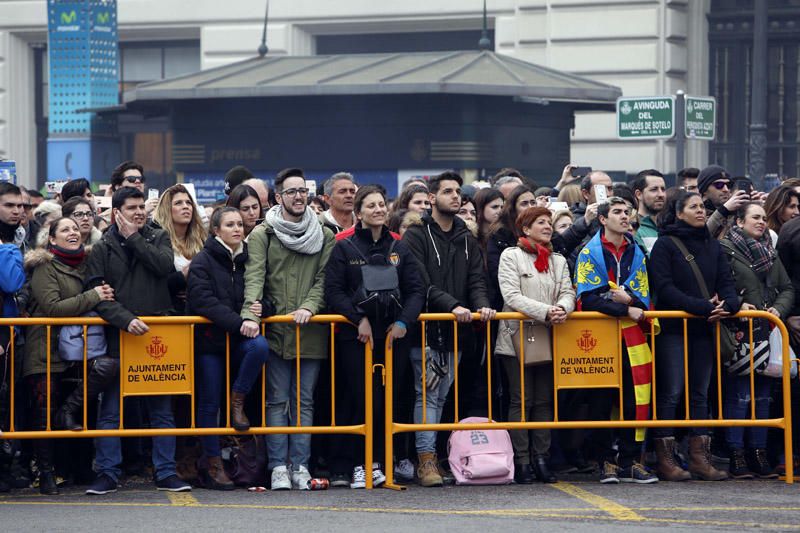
[
  {"x": 668, "y": 468},
  {"x": 700, "y": 459},
  {"x": 428, "y": 471},
  {"x": 239, "y": 420},
  {"x": 215, "y": 477}
]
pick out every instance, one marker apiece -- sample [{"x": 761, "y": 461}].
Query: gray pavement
[{"x": 575, "y": 505}]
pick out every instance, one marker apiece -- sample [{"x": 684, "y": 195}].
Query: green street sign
[
  {"x": 701, "y": 117},
  {"x": 646, "y": 117}
]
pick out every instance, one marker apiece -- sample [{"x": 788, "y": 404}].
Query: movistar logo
[
  {"x": 68, "y": 18},
  {"x": 103, "y": 18}
]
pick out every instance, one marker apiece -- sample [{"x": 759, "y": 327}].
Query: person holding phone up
[{"x": 722, "y": 199}]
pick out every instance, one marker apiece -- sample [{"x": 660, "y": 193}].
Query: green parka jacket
[
  {"x": 773, "y": 290},
  {"x": 56, "y": 291},
  {"x": 291, "y": 281}
]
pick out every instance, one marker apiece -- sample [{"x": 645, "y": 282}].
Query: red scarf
[
  {"x": 542, "y": 262},
  {"x": 71, "y": 258}
]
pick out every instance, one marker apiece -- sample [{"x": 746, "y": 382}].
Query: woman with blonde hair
[{"x": 177, "y": 214}]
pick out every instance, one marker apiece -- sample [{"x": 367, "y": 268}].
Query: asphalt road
[{"x": 575, "y": 505}]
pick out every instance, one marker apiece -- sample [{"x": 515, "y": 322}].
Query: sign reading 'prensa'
[
  {"x": 158, "y": 362},
  {"x": 586, "y": 354}
]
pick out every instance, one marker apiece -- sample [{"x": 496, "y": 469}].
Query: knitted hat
[
  {"x": 709, "y": 175},
  {"x": 236, "y": 176}
]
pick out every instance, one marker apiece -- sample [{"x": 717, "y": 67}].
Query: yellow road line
[
  {"x": 588, "y": 513},
  {"x": 185, "y": 499},
  {"x": 620, "y": 512}
]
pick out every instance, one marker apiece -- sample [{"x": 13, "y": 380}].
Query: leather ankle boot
[
  {"x": 700, "y": 459},
  {"x": 102, "y": 370},
  {"x": 215, "y": 477},
  {"x": 523, "y": 474},
  {"x": 47, "y": 483},
  {"x": 668, "y": 468},
  {"x": 542, "y": 470},
  {"x": 239, "y": 420}
]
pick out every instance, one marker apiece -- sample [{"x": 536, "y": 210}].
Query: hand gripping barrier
[
  {"x": 783, "y": 422},
  {"x": 132, "y": 347}
]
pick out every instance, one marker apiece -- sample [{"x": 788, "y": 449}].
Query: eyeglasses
[
  {"x": 82, "y": 214},
  {"x": 132, "y": 179},
  {"x": 302, "y": 191},
  {"x": 719, "y": 185},
  {"x": 27, "y": 207}
]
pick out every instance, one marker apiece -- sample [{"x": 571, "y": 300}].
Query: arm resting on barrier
[
  {"x": 255, "y": 271},
  {"x": 203, "y": 300}
]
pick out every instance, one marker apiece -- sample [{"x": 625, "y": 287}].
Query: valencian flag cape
[{"x": 591, "y": 273}]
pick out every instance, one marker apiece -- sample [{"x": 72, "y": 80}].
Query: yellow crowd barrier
[
  {"x": 156, "y": 344},
  {"x": 783, "y": 422},
  {"x": 170, "y": 342}
]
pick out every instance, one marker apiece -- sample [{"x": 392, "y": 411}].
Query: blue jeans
[
  {"x": 282, "y": 408},
  {"x": 108, "y": 450},
  {"x": 434, "y": 400},
  {"x": 737, "y": 406},
  {"x": 249, "y": 356},
  {"x": 670, "y": 385}
]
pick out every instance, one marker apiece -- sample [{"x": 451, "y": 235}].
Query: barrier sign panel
[
  {"x": 646, "y": 117},
  {"x": 158, "y": 362},
  {"x": 586, "y": 354}
]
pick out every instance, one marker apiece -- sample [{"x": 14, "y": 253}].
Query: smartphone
[
  {"x": 102, "y": 202},
  {"x": 579, "y": 172},
  {"x": 600, "y": 193},
  {"x": 557, "y": 206},
  {"x": 743, "y": 184},
  {"x": 152, "y": 194}
]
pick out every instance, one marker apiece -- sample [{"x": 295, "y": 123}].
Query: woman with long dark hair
[
  {"x": 488, "y": 206},
  {"x": 781, "y": 205},
  {"x": 216, "y": 291},
  {"x": 688, "y": 272},
  {"x": 246, "y": 200},
  {"x": 374, "y": 317}
]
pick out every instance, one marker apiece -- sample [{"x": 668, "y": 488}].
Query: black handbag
[{"x": 247, "y": 466}]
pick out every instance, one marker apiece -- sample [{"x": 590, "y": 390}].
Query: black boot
[
  {"x": 542, "y": 470},
  {"x": 102, "y": 370},
  {"x": 523, "y": 474},
  {"x": 43, "y": 450}
]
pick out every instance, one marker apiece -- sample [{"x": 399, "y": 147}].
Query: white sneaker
[
  {"x": 280, "y": 478},
  {"x": 378, "y": 478},
  {"x": 404, "y": 471},
  {"x": 359, "y": 478},
  {"x": 300, "y": 478}
]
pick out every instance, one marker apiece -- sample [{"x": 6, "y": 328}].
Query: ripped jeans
[
  {"x": 737, "y": 406},
  {"x": 282, "y": 408}
]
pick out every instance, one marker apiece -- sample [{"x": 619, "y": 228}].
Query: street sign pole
[{"x": 680, "y": 139}]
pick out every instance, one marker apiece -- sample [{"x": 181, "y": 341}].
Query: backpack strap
[
  {"x": 701, "y": 282},
  {"x": 349, "y": 240}
]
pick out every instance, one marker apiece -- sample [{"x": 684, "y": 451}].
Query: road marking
[
  {"x": 620, "y": 512},
  {"x": 560, "y": 513},
  {"x": 185, "y": 499}
]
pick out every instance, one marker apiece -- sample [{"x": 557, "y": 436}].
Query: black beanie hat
[
  {"x": 709, "y": 175},
  {"x": 235, "y": 177}
]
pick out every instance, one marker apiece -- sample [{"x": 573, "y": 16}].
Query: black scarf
[{"x": 8, "y": 232}]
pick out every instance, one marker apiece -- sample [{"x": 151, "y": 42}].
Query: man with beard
[
  {"x": 650, "y": 190},
  {"x": 135, "y": 259},
  {"x": 340, "y": 192},
  {"x": 715, "y": 184},
  {"x": 287, "y": 256},
  {"x": 451, "y": 265}
]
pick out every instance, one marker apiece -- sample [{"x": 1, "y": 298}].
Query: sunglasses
[
  {"x": 132, "y": 179},
  {"x": 719, "y": 185}
]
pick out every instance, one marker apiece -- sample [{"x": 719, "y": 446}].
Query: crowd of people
[{"x": 711, "y": 245}]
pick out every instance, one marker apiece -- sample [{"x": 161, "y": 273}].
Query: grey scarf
[{"x": 304, "y": 237}]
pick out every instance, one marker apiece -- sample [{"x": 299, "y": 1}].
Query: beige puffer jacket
[{"x": 528, "y": 291}]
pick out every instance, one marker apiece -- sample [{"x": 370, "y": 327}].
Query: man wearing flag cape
[{"x": 611, "y": 277}]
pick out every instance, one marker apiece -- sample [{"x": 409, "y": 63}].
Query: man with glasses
[
  {"x": 715, "y": 184},
  {"x": 287, "y": 256},
  {"x": 28, "y": 222}
]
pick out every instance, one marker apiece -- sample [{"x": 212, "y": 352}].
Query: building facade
[{"x": 645, "y": 47}]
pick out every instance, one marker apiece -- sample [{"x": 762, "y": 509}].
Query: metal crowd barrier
[
  {"x": 784, "y": 423},
  {"x": 364, "y": 429}
]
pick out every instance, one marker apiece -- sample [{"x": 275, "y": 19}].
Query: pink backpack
[{"x": 481, "y": 456}]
